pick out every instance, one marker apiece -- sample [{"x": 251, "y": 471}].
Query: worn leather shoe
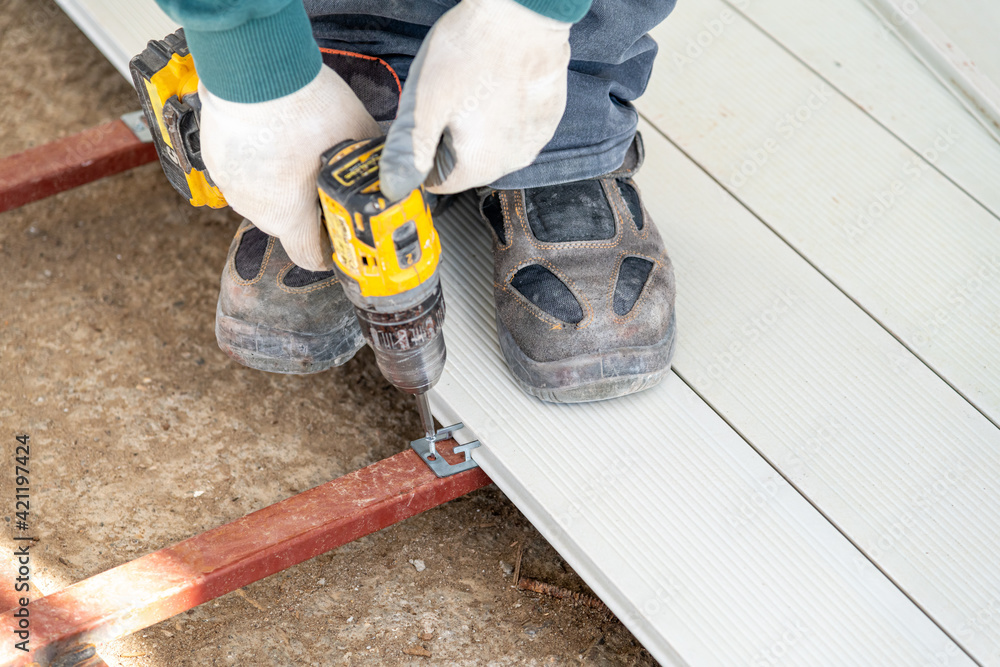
[
  {"x": 275, "y": 316},
  {"x": 584, "y": 287}
]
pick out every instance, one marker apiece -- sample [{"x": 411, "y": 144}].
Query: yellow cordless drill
[
  {"x": 386, "y": 252},
  {"x": 387, "y": 256}
]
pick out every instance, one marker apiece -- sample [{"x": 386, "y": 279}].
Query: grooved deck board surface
[
  {"x": 904, "y": 465},
  {"x": 119, "y": 28},
  {"x": 808, "y": 487},
  {"x": 880, "y": 444},
  {"x": 915, "y": 251},
  {"x": 847, "y": 45},
  {"x": 973, "y": 24}
]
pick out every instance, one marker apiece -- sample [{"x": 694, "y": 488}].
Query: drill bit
[{"x": 424, "y": 409}]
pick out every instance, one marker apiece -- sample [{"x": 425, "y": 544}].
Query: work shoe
[
  {"x": 584, "y": 287},
  {"x": 275, "y": 316}
]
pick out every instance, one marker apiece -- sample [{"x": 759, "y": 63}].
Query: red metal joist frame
[
  {"x": 159, "y": 585},
  {"x": 78, "y": 159}
]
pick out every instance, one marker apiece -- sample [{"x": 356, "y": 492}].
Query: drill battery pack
[{"x": 167, "y": 84}]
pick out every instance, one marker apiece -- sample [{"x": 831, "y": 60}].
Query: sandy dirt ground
[{"x": 143, "y": 433}]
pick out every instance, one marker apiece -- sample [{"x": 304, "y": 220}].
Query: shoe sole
[
  {"x": 292, "y": 353},
  {"x": 594, "y": 377}
]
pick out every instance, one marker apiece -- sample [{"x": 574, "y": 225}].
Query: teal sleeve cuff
[
  {"x": 219, "y": 14},
  {"x": 569, "y": 11},
  {"x": 243, "y": 54}
]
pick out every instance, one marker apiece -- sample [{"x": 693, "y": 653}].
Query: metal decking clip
[{"x": 427, "y": 451}]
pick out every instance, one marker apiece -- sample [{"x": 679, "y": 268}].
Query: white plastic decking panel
[
  {"x": 890, "y": 453},
  {"x": 706, "y": 554},
  {"x": 897, "y": 460},
  {"x": 119, "y": 28},
  {"x": 973, "y": 25},
  {"x": 954, "y": 68},
  {"x": 849, "y": 46},
  {"x": 898, "y": 237}
]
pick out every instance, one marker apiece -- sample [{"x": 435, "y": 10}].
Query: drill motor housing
[{"x": 387, "y": 254}]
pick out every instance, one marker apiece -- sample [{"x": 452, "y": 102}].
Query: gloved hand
[
  {"x": 265, "y": 158},
  {"x": 483, "y": 97}
]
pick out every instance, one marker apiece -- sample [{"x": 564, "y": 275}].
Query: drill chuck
[{"x": 405, "y": 332}]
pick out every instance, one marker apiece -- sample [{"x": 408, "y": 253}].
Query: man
[{"x": 529, "y": 101}]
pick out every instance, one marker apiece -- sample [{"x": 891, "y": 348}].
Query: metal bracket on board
[
  {"x": 427, "y": 451},
  {"x": 136, "y": 121}
]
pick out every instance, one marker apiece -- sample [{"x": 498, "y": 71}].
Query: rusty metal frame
[
  {"x": 161, "y": 584},
  {"x": 67, "y": 163}
]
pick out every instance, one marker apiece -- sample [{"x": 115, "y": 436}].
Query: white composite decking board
[
  {"x": 973, "y": 24},
  {"x": 691, "y": 538},
  {"x": 924, "y": 260},
  {"x": 954, "y": 68},
  {"x": 119, "y": 28},
  {"x": 902, "y": 464},
  {"x": 848, "y": 45},
  {"x": 898, "y": 461}
]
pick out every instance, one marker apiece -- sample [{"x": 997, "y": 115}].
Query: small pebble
[
  {"x": 418, "y": 564},
  {"x": 198, "y": 493}
]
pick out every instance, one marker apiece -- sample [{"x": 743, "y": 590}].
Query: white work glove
[
  {"x": 265, "y": 158},
  {"x": 483, "y": 97}
]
